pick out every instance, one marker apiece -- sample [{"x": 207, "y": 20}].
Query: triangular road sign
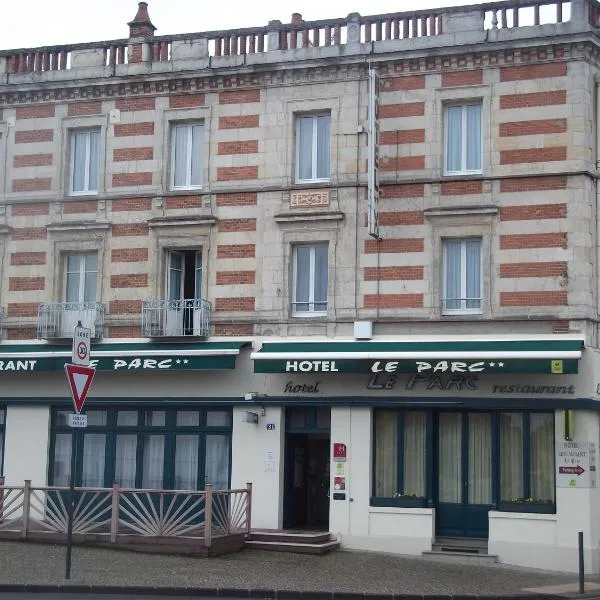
[{"x": 80, "y": 378}]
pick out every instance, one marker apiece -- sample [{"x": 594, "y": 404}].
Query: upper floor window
[
  {"x": 81, "y": 274},
  {"x": 85, "y": 161},
  {"x": 310, "y": 274},
  {"x": 462, "y": 276},
  {"x": 463, "y": 147},
  {"x": 186, "y": 156},
  {"x": 312, "y": 147}
]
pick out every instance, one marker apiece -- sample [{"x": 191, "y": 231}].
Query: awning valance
[
  {"x": 551, "y": 354},
  {"x": 139, "y": 356}
]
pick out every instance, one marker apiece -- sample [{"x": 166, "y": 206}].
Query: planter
[
  {"x": 402, "y": 502},
  {"x": 528, "y": 507}
]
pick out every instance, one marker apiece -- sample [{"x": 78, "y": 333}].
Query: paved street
[{"x": 29, "y": 563}]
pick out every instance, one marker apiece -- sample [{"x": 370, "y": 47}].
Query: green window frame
[
  {"x": 159, "y": 448},
  {"x": 2, "y": 437}
]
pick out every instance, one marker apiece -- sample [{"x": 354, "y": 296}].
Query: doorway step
[
  {"x": 467, "y": 550},
  {"x": 285, "y": 540}
]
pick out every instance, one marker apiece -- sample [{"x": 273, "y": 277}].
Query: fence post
[
  {"x": 248, "y": 508},
  {"x": 208, "y": 515},
  {"x": 26, "y": 507},
  {"x": 114, "y": 514}
]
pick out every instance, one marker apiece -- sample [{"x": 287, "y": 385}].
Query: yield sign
[{"x": 80, "y": 378}]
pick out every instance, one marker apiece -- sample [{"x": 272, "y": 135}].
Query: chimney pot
[
  {"x": 296, "y": 18},
  {"x": 141, "y": 26}
]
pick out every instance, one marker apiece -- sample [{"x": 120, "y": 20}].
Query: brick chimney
[
  {"x": 141, "y": 26},
  {"x": 296, "y": 19}
]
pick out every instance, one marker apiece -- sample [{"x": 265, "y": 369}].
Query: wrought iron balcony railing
[
  {"x": 175, "y": 318},
  {"x": 58, "y": 319}
]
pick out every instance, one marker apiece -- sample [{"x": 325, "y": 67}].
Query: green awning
[
  {"x": 545, "y": 354},
  {"x": 140, "y": 356}
]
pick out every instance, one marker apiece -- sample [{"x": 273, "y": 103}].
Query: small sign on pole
[
  {"x": 576, "y": 464},
  {"x": 81, "y": 345},
  {"x": 80, "y": 378}
]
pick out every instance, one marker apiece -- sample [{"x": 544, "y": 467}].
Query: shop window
[
  {"x": 310, "y": 280},
  {"x": 463, "y": 138},
  {"x": 462, "y": 281},
  {"x": 400, "y": 458},
  {"x": 151, "y": 449},
  {"x": 85, "y": 162},
  {"x": 526, "y": 460},
  {"x": 2, "y": 430},
  {"x": 186, "y": 156},
  {"x": 313, "y": 148}
]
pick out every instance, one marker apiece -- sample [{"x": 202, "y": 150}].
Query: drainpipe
[{"x": 597, "y": 164}]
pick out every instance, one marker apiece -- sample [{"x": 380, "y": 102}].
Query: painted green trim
[
  {"x": 123, "y": 357},
  {"x": 527, "y": 507},
  {"x": 562, "y": 345}
]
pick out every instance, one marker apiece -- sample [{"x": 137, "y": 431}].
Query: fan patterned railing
[{"x": 115, "y": 513}]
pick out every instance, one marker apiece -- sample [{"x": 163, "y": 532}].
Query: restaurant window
[
  {"x": 526, "y": 458},
  {"x": 400, "y": 457},
  {"x": 147, "y": 448}
]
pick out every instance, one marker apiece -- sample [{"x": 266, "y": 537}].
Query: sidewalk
[{"x": 342, "y": 572}]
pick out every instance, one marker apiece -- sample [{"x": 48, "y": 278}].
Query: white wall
[
  {"x": 252, "y": 446},
  {"x": 26, "y": 445}
]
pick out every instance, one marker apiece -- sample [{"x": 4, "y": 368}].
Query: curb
[{"x": 253, "y": 593}]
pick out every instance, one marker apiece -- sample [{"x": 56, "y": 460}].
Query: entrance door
[
  {"x": 184, "y": 281},
  {"x": 464, "y": 486},
  {"x": 307, "y": 481}
]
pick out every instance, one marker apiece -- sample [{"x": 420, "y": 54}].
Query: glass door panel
[
  {"x": 450, "y": 458},
  {"x": 480, "y": 458}
]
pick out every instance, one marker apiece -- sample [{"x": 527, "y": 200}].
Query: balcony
[
  {"x": 175, "y": 318},
  {"x": 58, "y": 319}
]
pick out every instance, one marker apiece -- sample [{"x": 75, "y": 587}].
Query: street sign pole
[{"x": 79, "y": 376}]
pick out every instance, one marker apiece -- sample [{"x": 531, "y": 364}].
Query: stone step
[
  {"x": 297, "y": 547},
  {"x": 460, "y": 556},
  {"x": 302, "y": 537}
]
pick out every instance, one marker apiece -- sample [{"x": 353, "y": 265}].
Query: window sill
[
  {"x": 311, "y": 183},
  {"x": 186, "y": 190},
  {"x": 527, "y": 507},
  {"x": 407, "y": 502},
  {"x": 79, "y": 194},
  {"x": 310, "y": 315},
  {"x": 462, "y": 175},
  {"x": 462, "y": 313},
  {"x": 295, "y": 217}
]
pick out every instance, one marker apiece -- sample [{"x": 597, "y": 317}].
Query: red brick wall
[
  {"x": 236, "y": 173},
  {"x": 239, "y": 96},
  {"x": 131, "y": 280},
  {"x": 460, "y": 78},
  {"x": 393, "y": 301},
  {"x": 406, "y": 109},
  {"x": 132, "y": 179},
  {"x": 533, "y": 298},
  {"x": 179, "y": 202},
  {"x": 133, "y": 229},
  {"x": 130, "y": 129},
  {"x": 509, "y": 101},
  {"x": 461, "y": 188},
  {"x": 533, "y": 212},
  {"x": 236, "y": 251},
  {"x": 399, "y": 245},
  {"x": 131, "y": 204},
  {"x": 229, "y": 225},
  {"x": 76, "y": 109},
  {"x": 533, "y": 240},
  {"x": 125, "y": 307},
  {"x": 515, "y": 128},
  {"x": 532, "y": 155},
  {"x": 32, "y": 160},
  {"x": 243, "y": 122},
  {"x": 235, "y": 277},
  {"x": 123, "y": 154},
  {"x": 239, "y": 304},
  {"x": 393, "y": 273},
  {"x": 241, "y": 147},
  {"x": 405, "y": 217},
  {"x": 237, "y": 199},
  {"x": 35, "y": 111},
  {"x": 35, "y": 135},
  {"x": 534, "y": 269},
  {"x": 30, "y": 209},
  {"x": 125, "y": 331},
  {"x": 235, "y": 329},
  {"x": 186, "y": 101},
  {"x": 29, "y": 233},
  {"x": 405, "y": 82},
  {"x": 403, "y": 190},
  {"x": 37, "y": 184},
  {"x": 76, "y": 207},
  {"x": 129, "y": 255},
  {"x": 402, "y": 163},
  {"x": 536, "y": 71},
  {"x": 533, "y": 184},
  {"x": 402, "y": 136},
  {"x": 22, "y": 309},
  {"x": 130, "y": 104},
  {"x": 21, "y": 333},
  {"x": 28, "y": 258},
  {"x": 26, "y": 284}
]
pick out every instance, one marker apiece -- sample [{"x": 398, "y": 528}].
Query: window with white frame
[
  {"x": 85, "y": 161},
  {"x": 463, "y": 138},
  {"x": 310, "y": 278},
  {"x": 186, "y": 156},
  {"x": 462, "y": 276},
  {"x": 312, "y": 147},
  {"x": 81, "y": 274}
]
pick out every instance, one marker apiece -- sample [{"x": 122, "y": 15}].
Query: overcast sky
[{"x": 31, "y": 23}]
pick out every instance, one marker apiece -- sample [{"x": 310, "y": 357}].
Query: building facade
[{"x": 354, "y": 262}]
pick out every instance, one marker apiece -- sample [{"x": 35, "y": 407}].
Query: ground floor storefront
[{"x": 389, "y": 452}]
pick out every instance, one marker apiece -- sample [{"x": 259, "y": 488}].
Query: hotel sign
[
  {"x": 576, "y": 464},
  {"x": 565, "y": 367}
]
